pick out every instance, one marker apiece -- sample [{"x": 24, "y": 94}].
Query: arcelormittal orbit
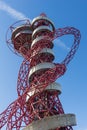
[{"x": 38, "y": 106}]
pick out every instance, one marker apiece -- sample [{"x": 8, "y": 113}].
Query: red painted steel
[{"x": 42, "y": 103}]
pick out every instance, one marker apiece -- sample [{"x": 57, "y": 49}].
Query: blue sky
[{"x": 74, "y": 82}]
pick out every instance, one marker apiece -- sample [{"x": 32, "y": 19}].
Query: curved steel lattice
[{"x": 40, "y": 103}]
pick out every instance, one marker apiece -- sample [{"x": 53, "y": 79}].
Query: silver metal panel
[
  {"x": 38, "y": 39},
  {"x": 53, "y": 86},
  {"x": 45, "y": 50},
  {"x": 23, "y": 29},
  {"x": 42, "y": 18},
  {"x": 45, "y": 65},
  {"x": 23, "y": 32},
  {"x": 39, "y": 29}
]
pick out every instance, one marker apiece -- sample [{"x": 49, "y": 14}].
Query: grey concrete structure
[{"x": 53, "y": 122}]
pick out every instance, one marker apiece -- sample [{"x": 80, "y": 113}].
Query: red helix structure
[{"x": 38, "y": 105}]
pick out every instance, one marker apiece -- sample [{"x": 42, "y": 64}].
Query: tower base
[{"x": 53, "y": 122}]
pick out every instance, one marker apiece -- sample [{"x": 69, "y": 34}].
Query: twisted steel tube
[{"x": 38, "y": 93}]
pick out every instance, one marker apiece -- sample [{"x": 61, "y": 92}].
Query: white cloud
[
  {"x": 14, "y": 13},
  {"x": 61, "y": 44}
]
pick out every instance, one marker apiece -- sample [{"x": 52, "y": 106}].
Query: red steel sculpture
[{"x": 38, "y": 94}]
